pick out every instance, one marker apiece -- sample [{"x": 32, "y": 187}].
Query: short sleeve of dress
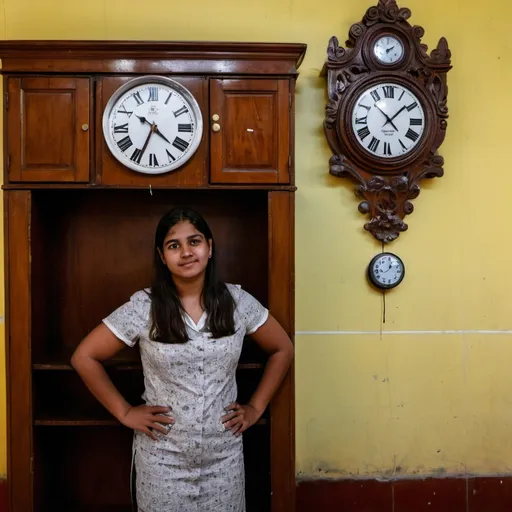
[
  {"x": 252, "y": 312},
  {"x": 128, "y": 321}
]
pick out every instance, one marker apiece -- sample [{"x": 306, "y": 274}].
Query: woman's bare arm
[
  {"x": 99, "y": 345},
  {"x": 272, "y": 338}
]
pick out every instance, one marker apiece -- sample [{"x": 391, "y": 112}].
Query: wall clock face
[
  {"x": 386, "y": 271},
  {"x": 388, "y": 121},
  {"x": 152, "y": 125},
  {"x": 388, "y": 50}
]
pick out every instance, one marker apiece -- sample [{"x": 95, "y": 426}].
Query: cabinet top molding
[{"x": 183, "y": 57}]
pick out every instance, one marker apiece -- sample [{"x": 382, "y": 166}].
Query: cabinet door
[
  {"x": 48, "y": 129},
  {"x": 250, "y": 131}
]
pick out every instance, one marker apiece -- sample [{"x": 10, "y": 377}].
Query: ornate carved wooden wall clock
[{"x": 386, "y": 115}]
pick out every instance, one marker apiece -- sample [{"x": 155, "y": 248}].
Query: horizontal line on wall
[{"x": 387, "y": 333}]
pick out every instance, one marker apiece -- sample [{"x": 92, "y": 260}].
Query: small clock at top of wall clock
[{"x": 386, "y": 271}]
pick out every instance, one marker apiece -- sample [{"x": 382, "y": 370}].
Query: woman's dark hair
[{"x": 166, "y": 309}]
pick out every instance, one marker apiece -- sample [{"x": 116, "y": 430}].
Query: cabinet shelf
[
  {"x": 127, "y": 359},
  {"x": 75, "y": 507},
  {"x": 57, "y": 365},
  {"x": 119, "y": 365},
  {"x": 54, "y": 421},
  {"x": 60, "y": 422}
]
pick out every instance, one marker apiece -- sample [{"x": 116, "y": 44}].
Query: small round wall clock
[
  {"x": 386, "y": 271},
  {"x": 388, "y": 49},
  {"x": 152, "y": 125}
]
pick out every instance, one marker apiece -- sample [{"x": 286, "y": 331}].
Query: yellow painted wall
[{"x": 418, "y": 399}]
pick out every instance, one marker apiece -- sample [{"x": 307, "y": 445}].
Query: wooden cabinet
[
  {"x": 250, "y": 121},
  {"x": 48, "y": 127},
  {"x": 78, "y": 237}
]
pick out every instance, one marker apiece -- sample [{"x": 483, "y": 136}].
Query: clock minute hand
[
  {"x": 147, "y": 140},
  {"x": 399, "y": 112},
  {"x": 388, "y": 120}
]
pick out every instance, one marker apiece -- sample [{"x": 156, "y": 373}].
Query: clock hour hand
[
  {"x": 388, "y": 120},
  {"x": 160, "y": 134},
  {"x": 389, "y": 49},
  {"x": 156, "y": 130}
]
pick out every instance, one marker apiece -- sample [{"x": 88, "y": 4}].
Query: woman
[{"x": 190, "y": 326}]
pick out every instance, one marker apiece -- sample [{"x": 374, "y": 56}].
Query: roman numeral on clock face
[
  {"x": 153, "y": 94},
  {"x": 362, "y": 120},
  {"x": 125, "y": 143},
  {"x": 136, "y": 155},
  {"x": 411, "y": 134},
  {"x": 180, "y": 144},
  {"x": 412, "y": 106},
  {"x": 374, "y": 144},
  {"x": 122, "y": 128},
  {"x": 375, "y": 95},
  {"x": 416, "y": 122},
  {"x": 389, "y": 91},
  {"x": 363, "y": 133},
  {"x": 153, "y": 162},
  {"x": 387, "y": 149},
  {"x": 138, "y": 98},
  {"x": 123, "y": 110},
  {"x": 169, "y": 156},
  {"x": 185, "y": 128},
  {"x": 180, "y": 111}
]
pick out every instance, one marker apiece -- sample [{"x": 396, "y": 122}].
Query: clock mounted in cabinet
[
  {"x": 152, "y": 124},
  {"x": 387, "y": 113}
]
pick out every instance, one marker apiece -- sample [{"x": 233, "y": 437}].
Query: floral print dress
[{"x": 198, "y": 466}]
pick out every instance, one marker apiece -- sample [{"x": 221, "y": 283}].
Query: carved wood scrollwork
[{"x": 386, "y": 186}]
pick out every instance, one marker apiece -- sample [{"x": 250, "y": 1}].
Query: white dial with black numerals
[
  {"x": 152, "y": 125},
  {"x": 388, "y": 120},
  {"x": 386, "y": 270},
  {"x": 388, "y": 50}
]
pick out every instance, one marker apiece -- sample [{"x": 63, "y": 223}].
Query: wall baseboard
[{"x": 446, "y": 494}]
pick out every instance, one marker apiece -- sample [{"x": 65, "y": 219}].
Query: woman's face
[{"x": 185, "y": 251}]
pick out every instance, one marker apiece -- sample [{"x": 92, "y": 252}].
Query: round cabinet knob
[
  {"x": 85, "y": 127},
  {"x": 215, "y": 117},
  {"x": 215, "y": 127}
]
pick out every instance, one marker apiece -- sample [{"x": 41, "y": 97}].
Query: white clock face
[
  {"x": 152, "y": 125},
  {"x": 387, "y": 270},
  {"x": 388, "y": 50},
  {"x": 388, "y": 121}
]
